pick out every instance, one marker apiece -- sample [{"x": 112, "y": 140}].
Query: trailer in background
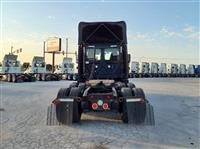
[
  {"x": 66, "y": 69},
  {"x": 145, "y": 70},
  {"x": 38, "y": 69},
  {"x": 11, "y": 70},
  {"x": 134, "y": 72},
  {"x": 182, "y": 70},
  {"x": 154, "y": 69}
]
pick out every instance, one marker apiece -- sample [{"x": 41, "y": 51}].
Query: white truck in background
[
  {"x": 134, "y": 72},
  {"x": 145, "y": 70},
  {"x": 163, "y": 70},
  {"x": 191, "y": 70},
  {"x": 12, "y": 70},
  {"x": 66, "y": 69},
  {"x": 182, "y": 70},
  {"x": 154, "y": 69},
  {"x": 38, "y": 69},
  {"x": 173, "y": 70}
]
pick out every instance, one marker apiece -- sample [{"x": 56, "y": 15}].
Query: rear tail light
[
  {"x": 91, "y": 97},
  {"x": 108, "y": 96},
  {"x": 105, "y": 106},
  {"x": 56, "y": 101},
  {"x": 141, "y": 100},
  {"x": 94, "y": 106}
]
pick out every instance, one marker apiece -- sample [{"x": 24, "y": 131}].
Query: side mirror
[{"x": 129, "y": 58}]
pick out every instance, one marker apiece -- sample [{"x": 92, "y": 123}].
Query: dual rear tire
[
  {"x": 11, "y": 78},
  {"x": 68, "y": 112}
]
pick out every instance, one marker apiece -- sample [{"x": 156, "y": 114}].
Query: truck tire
[
  {"x": 126, "y": 92},
  {"x": 130, "y": 85},
  {"x": 68, "y": 112},
  {"x": 38, "y": 77},
  {"x": 51, "y": 115},
  {"x": 68, "y": 77},
  {"x": 59, "y": 77},
  {"x": 138, "y": 92},
  {"x": 14, "y": 78},
  {"x": 9, "y": 78},
  {"x": 64, "y": 110},
  {"x": 149, "y": 119},
  {"x": 148, "y": 116},
  {"x": 74, "y": 77},
  {"x": 140, "y": 108},
  {"x": 43, "y": 77},
  {"x": 32, "y": 78},
  {"x": 75, "y": 92},
  {"x": 133, "y": 112}
]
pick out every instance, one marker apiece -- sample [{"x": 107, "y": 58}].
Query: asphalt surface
[{"x": 177, "y": 113}]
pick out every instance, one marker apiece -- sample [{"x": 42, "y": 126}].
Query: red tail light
[
  {"x": 108, "y": 96},
  {"x": 105, "y": 106},
  {"x": 94, "y": 106},
  {"x": 141, "y": 100},
  {"x": 91, "y": 97},
  {"x": 56, "y": 101}
]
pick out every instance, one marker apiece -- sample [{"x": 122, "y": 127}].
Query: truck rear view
[{"x": 103, "y": 85}]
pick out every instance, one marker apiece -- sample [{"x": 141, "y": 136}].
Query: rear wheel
[
  {"x": 75, "y": 92},
  {"x": 9, "y": 77},
  {"x": 133, "y": 112},
  {"x": 131, "y": 85},
  {"x": 14, "y": 78},
  {"x": 62, "y": 109},
  {"x": 74, "y": 77},
  {"x": 68, "y": 77},
  {"x": 140, "y": 107},
  {"x": 68, "y": 112},
  {"x": 38, "y": 77},
  {"x": 126, "y": 92}
]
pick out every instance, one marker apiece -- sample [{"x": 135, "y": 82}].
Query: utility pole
[
  {"x": 11, "y": 49},
  {"x": 66, "y": 47},
  {"x": 44, "y": 50},
  {"x": 53, "y": 62}
]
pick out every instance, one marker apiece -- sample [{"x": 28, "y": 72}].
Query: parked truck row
[
  {"x": 144, "y": 69},
  {"x": 11, "y": 70}
]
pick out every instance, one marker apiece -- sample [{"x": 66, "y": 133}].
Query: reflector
[
  {"x": 56, "y": 101},
  {"x": 105, "y": 106},
  {"x": 94, "y": 106}
]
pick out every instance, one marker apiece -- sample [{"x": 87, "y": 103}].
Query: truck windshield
[
  {"x": 111, "y": 54},
  {"x": 93, "y": 53},
  {"x": 108, "y": 54},
  {"x": 12, "y": 64},
  {"x": 69, "y": 65},
  {"x": 39, "y": 65}
]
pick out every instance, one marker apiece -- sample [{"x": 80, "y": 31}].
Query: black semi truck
[{"x": 102, "y": 85}]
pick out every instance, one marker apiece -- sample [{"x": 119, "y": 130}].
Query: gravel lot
[{"x": 176, "y": 105}]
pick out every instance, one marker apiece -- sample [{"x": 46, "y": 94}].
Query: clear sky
[{"x": 166, "y": 31}]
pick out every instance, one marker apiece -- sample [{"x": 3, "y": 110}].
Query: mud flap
[
  {"x": 51, "y": 115},
  {"x": 149, "y": 118},
  {"x": 65, "y": 113},
  {"x": 136, "y": 112}
]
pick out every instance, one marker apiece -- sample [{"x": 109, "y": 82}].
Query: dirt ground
[{"x": 177, "y": 113}]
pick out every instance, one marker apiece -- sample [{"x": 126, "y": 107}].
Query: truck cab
[
  {"x": 66, "y": 69},
  {"x": 102, "y": 85},
  {"x": 103, "y": 51},
  {"x": 11, "y": 64},
  {"x": 38, "y": 65}
]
